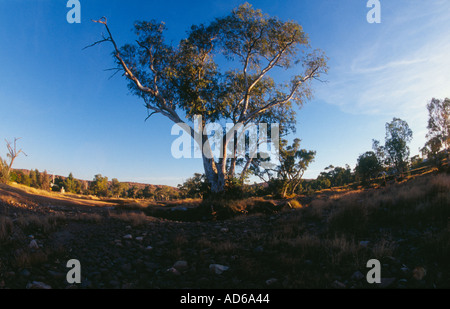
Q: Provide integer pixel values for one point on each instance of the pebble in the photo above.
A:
(217, 268)
(128, 236)
(338, 285)
(271, 281)
(38, 285)
(33, 244)
(173, 271)
(364, 243)
(180, 265)
(357, 275)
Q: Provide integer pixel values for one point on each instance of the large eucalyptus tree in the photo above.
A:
(186, 80)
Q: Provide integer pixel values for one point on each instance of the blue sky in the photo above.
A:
(72, 118)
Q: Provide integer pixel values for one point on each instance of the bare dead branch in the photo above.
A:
(12, 151)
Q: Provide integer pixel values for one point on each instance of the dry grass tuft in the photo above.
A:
(6, 226)
(133, 218)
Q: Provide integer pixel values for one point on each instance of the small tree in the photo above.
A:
(336, 176)
(368, 166)
(195, 187)
(395, 150)
(289, 173)
(99, 186)
(438, 136)
(4, 171)
(115, 187)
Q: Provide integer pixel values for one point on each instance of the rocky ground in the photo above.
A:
(129, 250)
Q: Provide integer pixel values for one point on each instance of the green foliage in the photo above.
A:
(4, 171)
(395, 152)
(185, 79)
(293, 163)
(368, 166)
(99, 186)
(438, 136)
(195, 187)
(72, 184)
(336, 176)
(45, 181)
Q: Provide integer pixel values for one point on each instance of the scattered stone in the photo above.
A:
(217, 268)
(173, 271)
(224, 229)
(33, 244)
(364, 243)
(139, 238)
(338, 285)
(128, 236)
(386, 282)
(271, 281)
(38, 285)
(180, 265)
(149, 248)
(405, 270)
(402, 283)
(357, 275)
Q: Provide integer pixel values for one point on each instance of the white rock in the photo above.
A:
(33, 244)
(173, 271)
(217, 268)
(364, 243)
(128, 236)
(140, 238)
(149, 248)
(357, 275)
(180, 265)
(271, 281)
(38, 285)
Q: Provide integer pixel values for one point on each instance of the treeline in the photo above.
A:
(386, 160)
(100, 186)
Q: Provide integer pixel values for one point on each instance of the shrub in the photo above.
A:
(6, 226)
(4, 171)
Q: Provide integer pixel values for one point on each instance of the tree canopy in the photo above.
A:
(395, 151)
(191, 78)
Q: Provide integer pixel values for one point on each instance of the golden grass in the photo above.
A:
(26, 258)
(133, 218)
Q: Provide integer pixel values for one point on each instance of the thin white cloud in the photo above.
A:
(395, 74)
